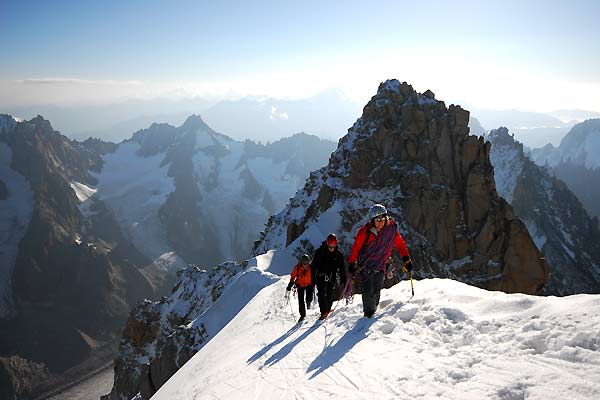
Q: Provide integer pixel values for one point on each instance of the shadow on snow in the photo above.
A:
(333, 353)
(287, 349)
(274, 343)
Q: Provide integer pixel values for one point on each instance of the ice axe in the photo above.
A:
(407, 272)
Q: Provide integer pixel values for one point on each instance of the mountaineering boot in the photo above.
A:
(301, 318)
(369, 314)
(323, 316)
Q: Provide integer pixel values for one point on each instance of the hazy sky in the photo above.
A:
(531, 55)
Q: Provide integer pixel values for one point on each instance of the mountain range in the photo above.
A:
(576, 161)
(559, 224)
(259, 118)
(90, 228)
(407, 151)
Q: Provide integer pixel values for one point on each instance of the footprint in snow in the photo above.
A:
(387, 327)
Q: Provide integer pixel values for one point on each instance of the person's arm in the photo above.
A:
(403, 250)
(401, 245)
(358, 244)
(292, 278)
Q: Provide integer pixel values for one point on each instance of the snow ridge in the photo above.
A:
(451, 340)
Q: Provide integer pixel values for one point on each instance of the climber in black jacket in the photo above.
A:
(328, 273)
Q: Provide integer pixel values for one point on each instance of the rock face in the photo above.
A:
(414, 155)
(160, 337)
(576, 162)
(73, 279)
(19, 377)
(561, 228)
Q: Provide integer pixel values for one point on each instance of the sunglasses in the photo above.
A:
(331, 247)
(380, 218)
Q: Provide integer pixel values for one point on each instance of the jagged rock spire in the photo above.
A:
(413, 154)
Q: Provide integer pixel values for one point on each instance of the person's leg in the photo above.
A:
(378, 281)
(330, 296)
(321, 296)
(368, 291)
(309, 296)
(301, 307)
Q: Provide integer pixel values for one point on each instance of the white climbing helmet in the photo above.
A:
(376, 210)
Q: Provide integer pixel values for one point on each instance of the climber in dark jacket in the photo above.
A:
(328, 272)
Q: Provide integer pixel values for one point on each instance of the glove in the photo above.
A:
(351, 268)
(289, 286)
(407, 263)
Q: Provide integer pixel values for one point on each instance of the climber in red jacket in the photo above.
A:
(372, 247)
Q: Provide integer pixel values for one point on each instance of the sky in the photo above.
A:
(531, 55)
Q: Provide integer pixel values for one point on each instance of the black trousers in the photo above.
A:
(371, 291)
(304, 291)
(325, 294)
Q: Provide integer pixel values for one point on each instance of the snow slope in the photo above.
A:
(235, 216)
(15, 214)
(507, 159)
(134, 188)
(582, 144)
(451, 340)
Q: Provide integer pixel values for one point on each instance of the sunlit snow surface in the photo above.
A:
(134, 188)
(508, 166)
(451, 341)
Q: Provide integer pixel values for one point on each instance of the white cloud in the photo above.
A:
(75, 81)
(277, 115)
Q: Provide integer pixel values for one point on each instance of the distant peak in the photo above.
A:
(41, 122)
(501, 136)
(194, 122)
(500, 132)
(7, 122)
(406, 92)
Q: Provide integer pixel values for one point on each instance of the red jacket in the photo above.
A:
(301, 275)
(360, 239)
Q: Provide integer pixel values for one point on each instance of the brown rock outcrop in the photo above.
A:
(411, 153)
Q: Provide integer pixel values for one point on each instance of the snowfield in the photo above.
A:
(451, 340)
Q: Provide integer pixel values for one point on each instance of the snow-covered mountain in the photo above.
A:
(67, 275)
(451, 340)
(561, 228)
(192, 195)
(576, 161)
(90, 228)
(414, 155)
(16, 207)
(411, 153)
(581, 146)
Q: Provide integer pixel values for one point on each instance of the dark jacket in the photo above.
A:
(326, 264)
